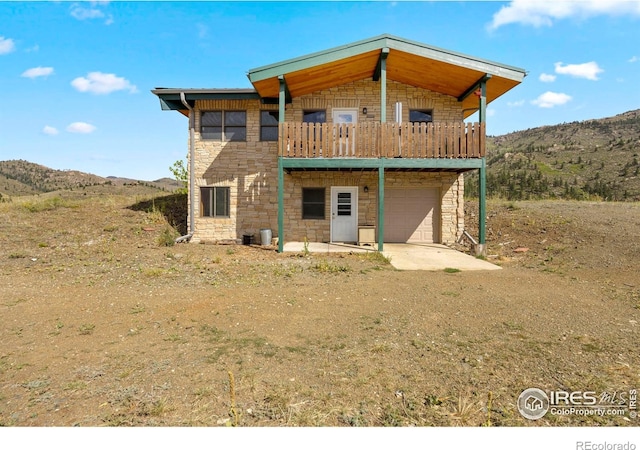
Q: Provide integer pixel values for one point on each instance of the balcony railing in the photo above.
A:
(382, 140)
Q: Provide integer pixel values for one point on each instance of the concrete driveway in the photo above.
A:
(432, 257)
(405, 256)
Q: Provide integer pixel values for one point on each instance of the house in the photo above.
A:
(366, 137)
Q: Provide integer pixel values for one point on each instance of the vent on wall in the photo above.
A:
(398, 112)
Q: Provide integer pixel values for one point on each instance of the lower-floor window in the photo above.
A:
(214, 201)
(313, 203)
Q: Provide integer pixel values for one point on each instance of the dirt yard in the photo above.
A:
(104, 325)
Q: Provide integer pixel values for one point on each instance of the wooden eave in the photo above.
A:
(408, 62)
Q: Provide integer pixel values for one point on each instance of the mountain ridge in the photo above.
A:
(595, 159)
(19, 177)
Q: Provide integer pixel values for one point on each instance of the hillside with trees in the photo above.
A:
(589, 160)
(19, 177)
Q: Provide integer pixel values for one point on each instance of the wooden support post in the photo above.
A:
(280, 206)
(381, 208)
(281, 109)
(383, 84)
(481, 248)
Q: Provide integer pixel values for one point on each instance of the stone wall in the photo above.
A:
(249, 168)
(450, 185)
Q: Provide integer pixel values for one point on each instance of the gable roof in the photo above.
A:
(408, 62)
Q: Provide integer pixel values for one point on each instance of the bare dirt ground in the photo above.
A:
(102, 325)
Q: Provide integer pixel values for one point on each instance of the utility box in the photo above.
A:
(367, 235)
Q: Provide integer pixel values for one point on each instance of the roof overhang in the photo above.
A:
(407, 62)
(170, 99)
(412, 63)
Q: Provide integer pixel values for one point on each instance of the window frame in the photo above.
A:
(213, 202)
(223, 125)
(306, 203)
(313, 111)
(269, 126)
(422, 111)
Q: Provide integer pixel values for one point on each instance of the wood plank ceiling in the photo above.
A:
(443, 74)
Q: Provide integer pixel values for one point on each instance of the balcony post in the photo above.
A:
(383, 84)
(281, 109)
(280, 205)
(381, 206)
(481, 249)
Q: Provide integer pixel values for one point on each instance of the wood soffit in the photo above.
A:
(407, 62)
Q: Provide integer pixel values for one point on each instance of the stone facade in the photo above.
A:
(249, 169)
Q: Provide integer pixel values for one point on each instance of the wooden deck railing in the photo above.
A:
(382, 140)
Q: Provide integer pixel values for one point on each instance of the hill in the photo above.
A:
(18, 178)
(594, 159)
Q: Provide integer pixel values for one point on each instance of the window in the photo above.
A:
(314, 116)
(269, 125)
(421, 115)
(224, 125)
(313, 203)
(214, 201)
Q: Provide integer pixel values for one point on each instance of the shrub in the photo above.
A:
(167, 237)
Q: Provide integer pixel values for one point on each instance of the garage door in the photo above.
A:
(412, 215)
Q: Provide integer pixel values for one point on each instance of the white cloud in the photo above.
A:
(6, 45)
(543, 13)
(102, 83)
(36, 72)
(588, 70)
(81, 128)
(516, 103)
(51, 131)
(81, 12)
(633, 59)
(550, 99)
(547, 78)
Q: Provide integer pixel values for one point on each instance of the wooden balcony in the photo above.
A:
(382, 140)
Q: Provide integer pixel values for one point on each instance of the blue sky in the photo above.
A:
(76, 76)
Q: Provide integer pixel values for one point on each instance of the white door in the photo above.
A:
(344, 144)
(344, 214)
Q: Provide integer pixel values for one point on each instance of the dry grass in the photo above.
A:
(103, 325)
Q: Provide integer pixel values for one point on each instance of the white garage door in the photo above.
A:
(412, 215)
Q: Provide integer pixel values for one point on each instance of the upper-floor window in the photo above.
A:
(269, 125)
(316, 116)
(224, 125)
(421, 115)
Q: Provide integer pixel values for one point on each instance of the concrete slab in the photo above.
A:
(404, 256)
(324, 247)
(432, 257)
